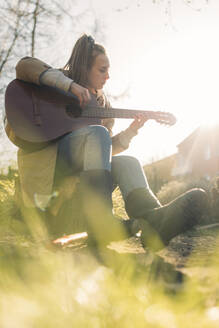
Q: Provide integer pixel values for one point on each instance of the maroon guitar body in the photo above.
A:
(38, 114)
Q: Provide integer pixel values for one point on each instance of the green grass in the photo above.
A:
(42, 287)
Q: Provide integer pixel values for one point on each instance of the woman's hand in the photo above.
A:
(138, 122)
(81, 92)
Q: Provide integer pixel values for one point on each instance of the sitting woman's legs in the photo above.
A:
(87, 152)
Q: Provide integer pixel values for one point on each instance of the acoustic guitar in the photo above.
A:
(41, 114)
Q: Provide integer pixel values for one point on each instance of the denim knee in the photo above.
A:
(98, 149)
(127, 161)
(128, 174)
(101, 133)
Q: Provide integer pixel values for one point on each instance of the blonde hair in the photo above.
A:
(82, 58)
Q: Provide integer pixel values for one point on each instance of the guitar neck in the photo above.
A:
(116, 113)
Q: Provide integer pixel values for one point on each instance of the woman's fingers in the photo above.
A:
(138, 122)
(141, 119)
(81, 92)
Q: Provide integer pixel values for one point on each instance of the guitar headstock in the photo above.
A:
(164, 118)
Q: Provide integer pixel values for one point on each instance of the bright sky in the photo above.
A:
(168, 62)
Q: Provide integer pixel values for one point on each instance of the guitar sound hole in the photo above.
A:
(73, 110)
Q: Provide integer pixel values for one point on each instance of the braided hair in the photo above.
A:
(82, 58)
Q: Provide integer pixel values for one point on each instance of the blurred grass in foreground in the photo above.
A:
(40, 287)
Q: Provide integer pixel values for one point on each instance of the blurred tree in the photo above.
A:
(30, 28)
(160, 172)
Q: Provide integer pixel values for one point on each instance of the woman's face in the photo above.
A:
(99, 72)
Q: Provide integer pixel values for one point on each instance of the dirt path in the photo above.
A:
(197, 247)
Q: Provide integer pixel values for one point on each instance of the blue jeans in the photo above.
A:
(90, 148)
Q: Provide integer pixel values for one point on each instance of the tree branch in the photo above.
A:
(33, 34)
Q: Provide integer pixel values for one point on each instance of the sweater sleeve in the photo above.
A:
(120, 141)
(55, 78)
(34, 70)
(30, 69)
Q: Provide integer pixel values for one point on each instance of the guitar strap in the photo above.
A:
(36, 109)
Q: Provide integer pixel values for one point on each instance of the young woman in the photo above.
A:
(89, 153)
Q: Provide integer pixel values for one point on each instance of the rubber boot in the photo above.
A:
(159, 224)
(139, 201)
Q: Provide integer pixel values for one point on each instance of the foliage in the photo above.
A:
(40, 287)
(171, 190)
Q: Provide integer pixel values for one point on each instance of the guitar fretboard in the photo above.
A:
(113, 112)
(127, 113)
